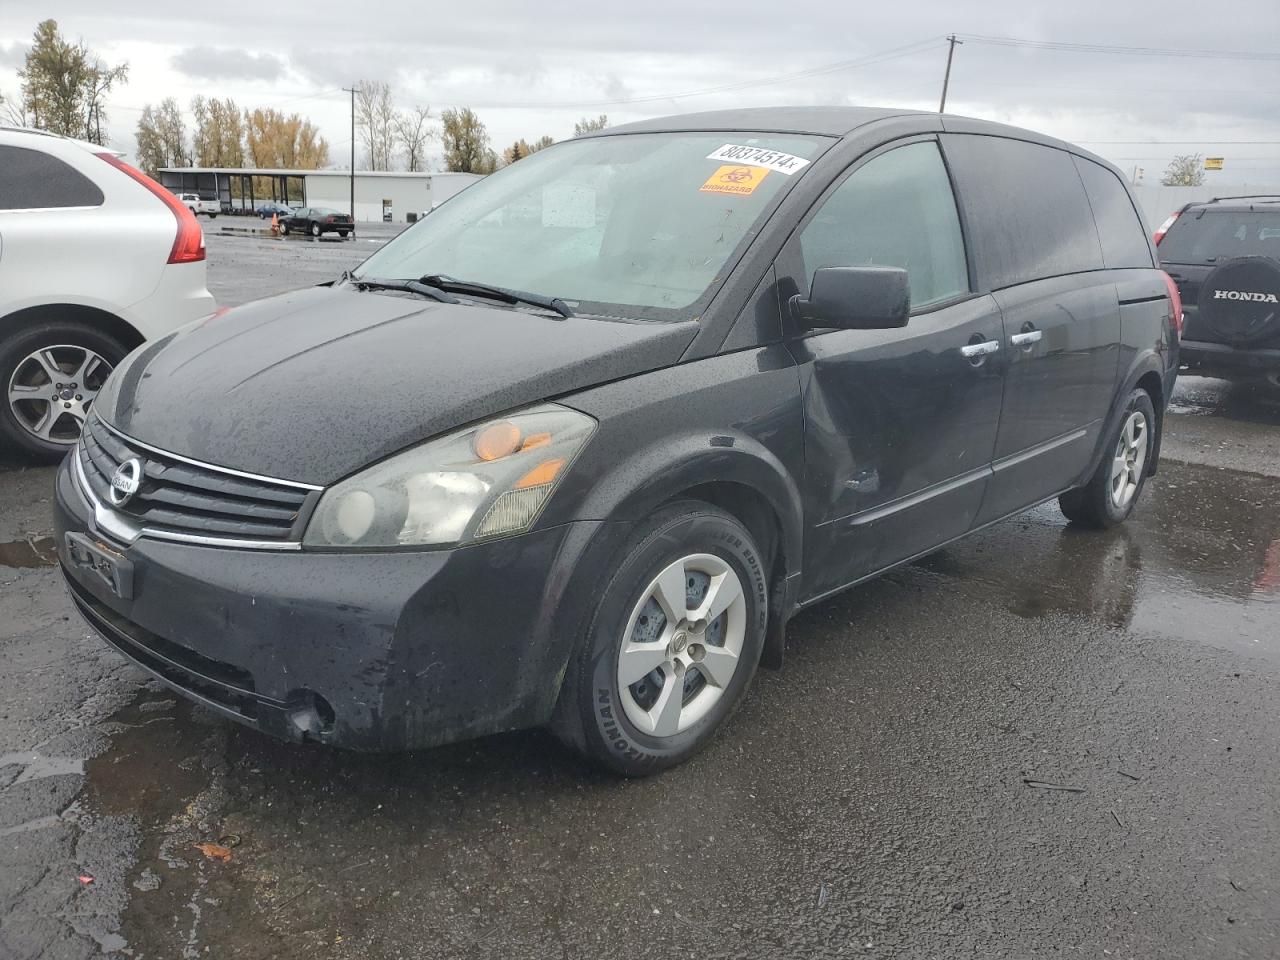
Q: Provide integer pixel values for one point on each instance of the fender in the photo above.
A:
(1144, 362)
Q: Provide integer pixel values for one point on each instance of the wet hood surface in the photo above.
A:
(316, 384)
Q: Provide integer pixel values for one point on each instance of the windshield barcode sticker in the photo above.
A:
(759, 157)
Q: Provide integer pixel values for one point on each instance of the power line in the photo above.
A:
(1216, 143)
(841, 65)
(1123, 51)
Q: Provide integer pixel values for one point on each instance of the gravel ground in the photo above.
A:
(1038, 742)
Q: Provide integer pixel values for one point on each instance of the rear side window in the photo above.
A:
(896, 210)
(1208, 235)
(1027, 211)
(33, 180)
(1124, 238)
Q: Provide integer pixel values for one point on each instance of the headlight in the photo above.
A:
(485, 481)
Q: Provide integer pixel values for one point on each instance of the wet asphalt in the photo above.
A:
(1039, 742)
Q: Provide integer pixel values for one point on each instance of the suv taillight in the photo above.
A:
(1175, 304)
(1164, 227)
(188, 245)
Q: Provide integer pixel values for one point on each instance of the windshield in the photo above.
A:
(638, 225)
(1211, 235)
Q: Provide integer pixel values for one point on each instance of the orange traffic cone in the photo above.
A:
(275, 225)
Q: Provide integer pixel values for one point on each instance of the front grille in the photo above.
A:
(179, 497)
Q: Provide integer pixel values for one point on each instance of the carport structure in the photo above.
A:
(251, 185)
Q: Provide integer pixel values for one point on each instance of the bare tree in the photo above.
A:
(1184, 170)
(413, 129)
(162, 137)
(587, 125)
(376, 118)
(14, 112)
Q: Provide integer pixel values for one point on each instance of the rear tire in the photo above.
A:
(315, 230)
(1111, 494)
(30, 381)
(701, 648)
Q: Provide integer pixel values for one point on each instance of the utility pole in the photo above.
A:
(946, 78)
(352, 91)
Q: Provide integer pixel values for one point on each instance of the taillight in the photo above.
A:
(188, 245)
(328, 219)
(1164, 228)
(1175, 304)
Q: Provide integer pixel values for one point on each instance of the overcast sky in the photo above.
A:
(534, 68)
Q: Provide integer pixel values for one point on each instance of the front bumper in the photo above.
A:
(407, 649)
(1225, 360)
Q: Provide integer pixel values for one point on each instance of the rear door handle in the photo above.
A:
(1026, 338)
(972, 350)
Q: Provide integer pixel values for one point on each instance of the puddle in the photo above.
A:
(36, 552)
(1199, 561)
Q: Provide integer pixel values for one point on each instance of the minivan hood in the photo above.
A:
(313, 385)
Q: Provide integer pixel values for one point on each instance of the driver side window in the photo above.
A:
(896, 210)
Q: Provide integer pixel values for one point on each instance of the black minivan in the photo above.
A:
(574, 448)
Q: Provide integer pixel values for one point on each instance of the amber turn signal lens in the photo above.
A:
(497, 440)
(540, 475)
(535, 440)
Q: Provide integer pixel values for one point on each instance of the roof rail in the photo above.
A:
(1271, 197)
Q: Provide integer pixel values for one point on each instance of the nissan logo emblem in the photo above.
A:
(125, 482)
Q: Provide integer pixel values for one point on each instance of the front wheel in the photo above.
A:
(52, 373)
(673, 645)
(213, 216)
(1112, 493)
(343, 233)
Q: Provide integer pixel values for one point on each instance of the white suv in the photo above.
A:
(197, 206)
(95, 258)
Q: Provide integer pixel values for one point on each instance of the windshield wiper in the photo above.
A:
(453, 285)
(409, 286)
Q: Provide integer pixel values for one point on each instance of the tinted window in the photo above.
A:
(30, 180)
(895, 211)
(1206, 235)
(1124, 238)
(1026, 207)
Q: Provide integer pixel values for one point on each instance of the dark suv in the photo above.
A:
(1224, 255)
(573, 449)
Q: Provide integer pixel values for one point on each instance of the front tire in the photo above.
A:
(673, 645)
(51, 373)
(1111, 494)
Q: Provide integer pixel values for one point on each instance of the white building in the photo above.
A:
(391, 196)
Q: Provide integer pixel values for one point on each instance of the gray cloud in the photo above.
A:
(212, 63)
(12, 55)
(529, 69)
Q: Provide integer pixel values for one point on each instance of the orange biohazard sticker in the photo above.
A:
(741, 181)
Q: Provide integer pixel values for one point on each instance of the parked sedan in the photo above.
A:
(266, 210)
(573, 449)
(317, 221)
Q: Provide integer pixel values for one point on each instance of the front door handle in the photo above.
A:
(974, 350)
(1026, 338)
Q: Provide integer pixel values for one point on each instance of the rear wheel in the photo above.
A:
(315, 230)
(52, 373)
(1112, 493)
(673, 645)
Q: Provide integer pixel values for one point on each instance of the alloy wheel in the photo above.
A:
(682, 644)
(1129, 460)
(53, 388)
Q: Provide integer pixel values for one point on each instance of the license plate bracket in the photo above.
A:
(114, 570)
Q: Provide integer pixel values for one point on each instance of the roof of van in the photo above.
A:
(828, 121)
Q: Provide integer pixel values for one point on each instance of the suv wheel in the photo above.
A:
(1110, 496)
(51, 373)
(673, 645)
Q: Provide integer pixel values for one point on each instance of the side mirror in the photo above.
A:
(855, 298)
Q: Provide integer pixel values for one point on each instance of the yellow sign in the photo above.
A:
(1213, 163)
(741, 181)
